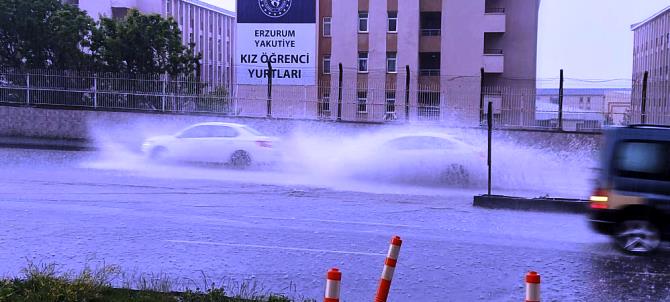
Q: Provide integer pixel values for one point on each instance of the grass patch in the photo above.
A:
(44, 283)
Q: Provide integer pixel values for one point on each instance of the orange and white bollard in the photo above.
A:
(532, 287)
(389, 268)
(334, 277)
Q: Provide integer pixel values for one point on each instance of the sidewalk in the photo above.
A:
(45, 143)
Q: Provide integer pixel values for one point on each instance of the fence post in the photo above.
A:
(481, 96)
(489, 120)
(643, 108)
(164, 98)
(269, 110)
(339, 95)
(560, 103)
(407, 82)
(95, 91)
(27, 88)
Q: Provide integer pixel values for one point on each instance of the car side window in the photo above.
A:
(195, 132)
(223, 131)
(646, 160)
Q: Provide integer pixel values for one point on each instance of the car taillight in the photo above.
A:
(599, 199)
(264, 144)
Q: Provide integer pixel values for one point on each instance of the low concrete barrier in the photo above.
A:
(531, 204)
(46, 143)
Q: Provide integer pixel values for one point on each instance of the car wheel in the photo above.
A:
(456, 174)
(637, 237)
(240, 159)
(158, 153)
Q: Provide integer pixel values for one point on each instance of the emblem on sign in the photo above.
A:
(274, 8)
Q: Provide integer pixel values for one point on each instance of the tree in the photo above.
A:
(142, 44)
(43, 34)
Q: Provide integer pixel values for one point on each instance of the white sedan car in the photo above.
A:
(428, 158)
(234, 144)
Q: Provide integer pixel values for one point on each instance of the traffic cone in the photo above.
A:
(532, 287)
(333, 279)
(389, 268)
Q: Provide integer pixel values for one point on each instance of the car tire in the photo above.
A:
(637, 237)
(240, 159)
(158, 154)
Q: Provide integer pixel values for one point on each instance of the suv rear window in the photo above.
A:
(643, 159)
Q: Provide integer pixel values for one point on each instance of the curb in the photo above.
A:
(562, 205)
(45, 144)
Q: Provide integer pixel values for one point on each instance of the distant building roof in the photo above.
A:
(548, 111)
(580, 91)
(212, 7)
(637, 25)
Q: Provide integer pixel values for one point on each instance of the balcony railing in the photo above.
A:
(429, 72)
(430, 32)
(493, 51)
(494, 10)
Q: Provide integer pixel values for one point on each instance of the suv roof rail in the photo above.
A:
(649, 126)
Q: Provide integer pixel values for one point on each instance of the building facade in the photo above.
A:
(209, 27)
(444, 44)
(651, 55)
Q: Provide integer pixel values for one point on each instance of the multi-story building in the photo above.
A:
(211, 28)
(445, 44)
(651, 55)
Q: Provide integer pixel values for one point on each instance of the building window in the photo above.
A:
(431, 23)
(391, 60)
(429, 63)
(362, 101)
(211, 48)
(363, 22)
(326, 26)
(169, 7)
(119, 13)
(393, 22)
(362, 62)
(390, 101)
(326, 64)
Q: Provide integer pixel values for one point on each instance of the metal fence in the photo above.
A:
(398, 98)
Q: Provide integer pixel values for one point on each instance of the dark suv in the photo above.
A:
(632, 198)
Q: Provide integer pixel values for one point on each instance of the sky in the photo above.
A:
(588, 39)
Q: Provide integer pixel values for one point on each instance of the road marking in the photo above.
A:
(272, 247)
(332, 221)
